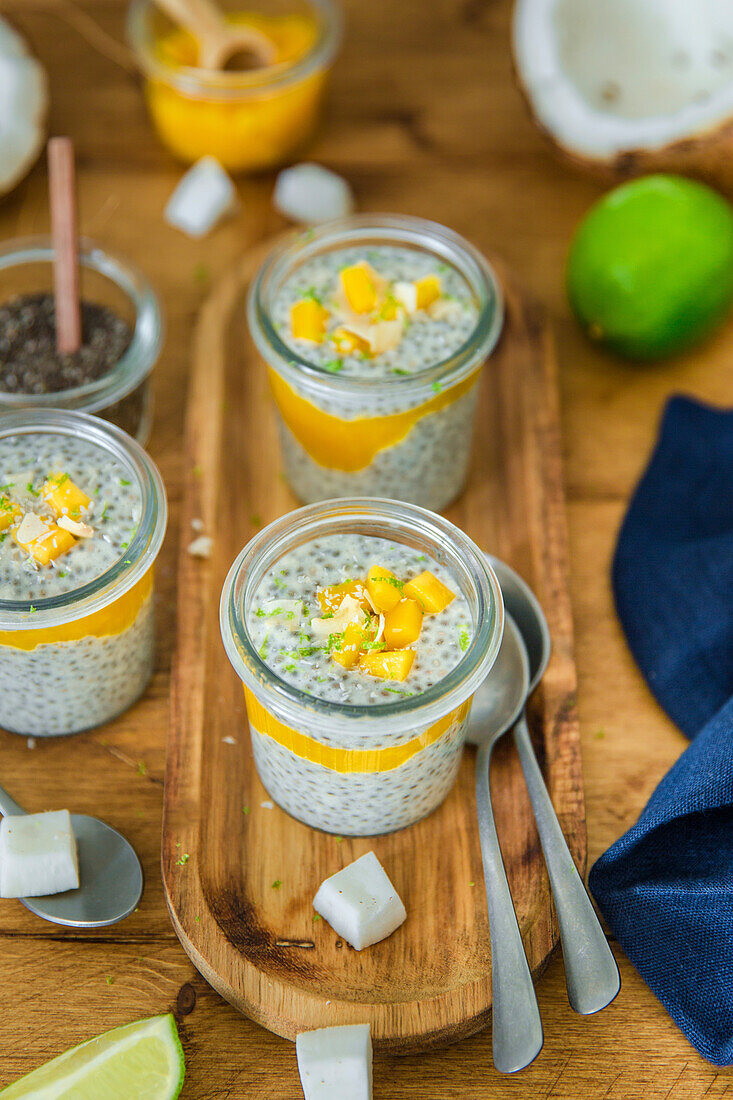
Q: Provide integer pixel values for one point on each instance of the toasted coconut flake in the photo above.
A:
(445, 309)
(406, 295)
(349, 611)
(75, 527)
(31, 527)
(385, 335)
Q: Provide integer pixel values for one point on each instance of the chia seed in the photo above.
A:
(30, 364)
(29, 361)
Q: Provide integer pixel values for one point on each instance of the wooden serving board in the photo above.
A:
(225, 849)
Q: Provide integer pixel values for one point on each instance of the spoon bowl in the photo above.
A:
(110, 876)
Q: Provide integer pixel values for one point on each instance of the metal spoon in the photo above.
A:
(591, 973)
(516, 1025)
(110, 875)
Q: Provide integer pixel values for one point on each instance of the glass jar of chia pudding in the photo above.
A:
(374, 329)
(122, 334)
(360, 630)
(82, 518)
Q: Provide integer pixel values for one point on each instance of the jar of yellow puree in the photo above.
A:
(248, 119)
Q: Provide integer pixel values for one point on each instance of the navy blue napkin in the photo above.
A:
(666, 887)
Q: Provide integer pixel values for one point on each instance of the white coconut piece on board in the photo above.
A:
(201, 547)
(631, 85)
(202, 198)
(335, 1063)
(23, 107)
(311, 194)
(37, 855)
(360, 903)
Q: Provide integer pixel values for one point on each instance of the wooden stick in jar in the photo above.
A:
(62, 187)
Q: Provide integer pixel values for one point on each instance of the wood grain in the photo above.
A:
(424, 118)
(258, 945)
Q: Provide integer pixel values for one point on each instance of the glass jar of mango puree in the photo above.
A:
(76, 605)
(374, 329)
(250, 119)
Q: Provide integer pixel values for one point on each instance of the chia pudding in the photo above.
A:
(121, 335)
(360, 631)
(374, 331)
(82, 516)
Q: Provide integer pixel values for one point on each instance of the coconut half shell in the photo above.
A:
(23, 108)
(623, 87)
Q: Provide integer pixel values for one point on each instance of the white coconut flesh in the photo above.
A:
(606, 77)
(23, 106)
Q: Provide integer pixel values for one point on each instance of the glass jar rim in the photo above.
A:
(297, 247)
(52, 611)
(429, 531)
(139, 358)
(194, 81)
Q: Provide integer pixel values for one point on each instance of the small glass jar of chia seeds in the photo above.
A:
(374, 329)
(335, 747)
(82, 519)
(122, 336)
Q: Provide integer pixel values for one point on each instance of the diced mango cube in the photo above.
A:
(66, 498)
(351, 646)
(402, 625)
(49, 546)
(331, 598)
(9, 512)
(384, 588)
(429, 289)
(432, 595)
(392, 664)
(308, 320)
(390, 310)
(360, 284)
(348, 342)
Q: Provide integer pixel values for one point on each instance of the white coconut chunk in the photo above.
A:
(202, 198)
(201, 547)
(349, 611)
(606, 78)
(289, 611)
(75, 527)
(360, 903)
(335, 1063)
(310, 194)
(31, 527)
(37, 855)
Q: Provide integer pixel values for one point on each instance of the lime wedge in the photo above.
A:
(144, 1059)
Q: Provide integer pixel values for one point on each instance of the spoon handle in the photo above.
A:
(8, 806)
(516, 1024)
(591, 973)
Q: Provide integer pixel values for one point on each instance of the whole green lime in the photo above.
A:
(650, 268)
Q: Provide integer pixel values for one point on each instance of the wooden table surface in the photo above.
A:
(425, 119)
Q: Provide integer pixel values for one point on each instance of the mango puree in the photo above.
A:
(248, 127)
(113, 619)
(352, 444)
